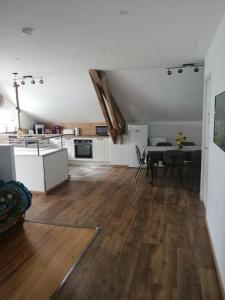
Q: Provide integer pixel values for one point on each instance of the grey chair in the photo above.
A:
(196, 159)
(173, 161)
(141, 161)
(161, 144)
(155, 158)
(188, 144)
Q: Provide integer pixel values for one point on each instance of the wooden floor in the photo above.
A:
(153, 245)
(34, 260)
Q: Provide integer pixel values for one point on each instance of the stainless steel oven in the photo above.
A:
(83, 149)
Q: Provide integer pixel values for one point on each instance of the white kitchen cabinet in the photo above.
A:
(100, 149)
(68, 143)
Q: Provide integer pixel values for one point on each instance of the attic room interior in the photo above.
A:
(112, 149)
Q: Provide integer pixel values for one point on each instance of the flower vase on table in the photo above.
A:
(180, 139)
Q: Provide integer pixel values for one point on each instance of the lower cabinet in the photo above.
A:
(68, 143)
(100, 149)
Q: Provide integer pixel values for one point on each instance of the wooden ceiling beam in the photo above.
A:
(113, 117)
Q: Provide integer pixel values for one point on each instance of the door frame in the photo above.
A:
(206, 138)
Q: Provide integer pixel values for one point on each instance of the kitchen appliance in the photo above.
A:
(137, 135)
(83, 149)
(57, 129)
(77, 131)
(39, 128)
(101, 130)
(68, 131)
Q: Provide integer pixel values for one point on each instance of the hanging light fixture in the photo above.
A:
(25, 77)
(195, 67)
(22, 81)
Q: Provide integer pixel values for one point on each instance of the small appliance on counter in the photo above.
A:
(68, 131)
(57, 129)
(77, 131)
(101, 130)
(39, 128)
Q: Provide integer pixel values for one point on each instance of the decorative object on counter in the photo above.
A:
(16, 86)
(68, 131)
(48, 131)
(57, 129)
(77, 131)
(39, 128)
(180, 139)
(15, 199)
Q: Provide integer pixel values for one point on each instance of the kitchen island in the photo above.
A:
(40, 165)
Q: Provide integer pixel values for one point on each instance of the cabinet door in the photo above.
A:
(100, 149)
(68, 143)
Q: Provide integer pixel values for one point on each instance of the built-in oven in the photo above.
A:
(83, 149)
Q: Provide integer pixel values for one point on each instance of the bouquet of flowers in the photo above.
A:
(180, 139)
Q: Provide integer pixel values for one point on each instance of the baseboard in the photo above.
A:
(215, 261)
(119, 166)
(51, 189)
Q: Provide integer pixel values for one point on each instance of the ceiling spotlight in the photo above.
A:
(22, 82)
(169, 72)
(33, 81)
(196, 69)
(180, 71)
(27, 30)
(123, 12)
(41, 81)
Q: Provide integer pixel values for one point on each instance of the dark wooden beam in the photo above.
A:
(113, 116)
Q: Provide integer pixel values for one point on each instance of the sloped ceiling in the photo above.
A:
(71, 37)
(152, 95)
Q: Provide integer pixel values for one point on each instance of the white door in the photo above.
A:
(206, 139)
(137, 135)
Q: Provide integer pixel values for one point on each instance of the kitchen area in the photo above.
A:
(43, 160)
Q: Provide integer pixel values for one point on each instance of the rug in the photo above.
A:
(35, 260)
(88, 171)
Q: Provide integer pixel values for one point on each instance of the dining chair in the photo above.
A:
(161, 144)
(141, 161)
(188, 144)
(196, 159)
(154, 160)
(173, 161)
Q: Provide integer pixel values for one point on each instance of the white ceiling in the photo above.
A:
(71, 37)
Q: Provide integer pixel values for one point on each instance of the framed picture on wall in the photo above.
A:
(219, 121)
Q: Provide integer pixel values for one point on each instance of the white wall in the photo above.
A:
(118, 153)
(192, 130)
(215, 210)
(8, 118)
